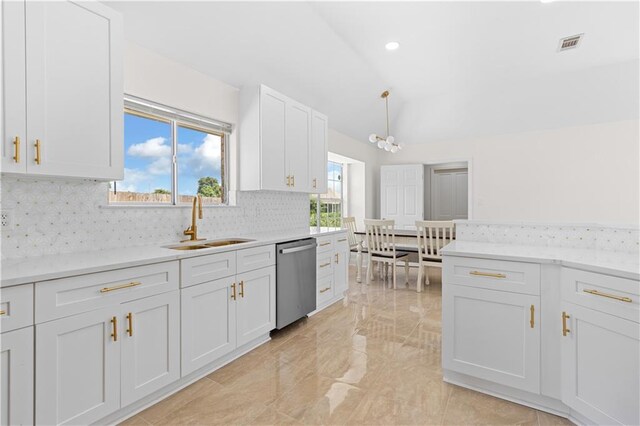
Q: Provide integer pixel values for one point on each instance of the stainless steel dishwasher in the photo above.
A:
(295, 280)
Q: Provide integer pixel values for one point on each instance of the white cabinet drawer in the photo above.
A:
(16, 307)
(255, 258)
(324, 244)
(604, 293)
(201, 269)
(324, 290)
(340, 242)
(83, 293)
(517, 277)
(324, 264)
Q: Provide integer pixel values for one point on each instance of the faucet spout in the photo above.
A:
(192, 231)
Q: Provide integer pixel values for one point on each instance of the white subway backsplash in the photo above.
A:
(582, 236)
(51, 216)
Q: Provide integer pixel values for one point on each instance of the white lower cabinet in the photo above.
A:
(78, 368)
(16, 377)
(601, 366)
(332, 269)
(150, 345)
(492, 335)
(256, 304)
(341, 265)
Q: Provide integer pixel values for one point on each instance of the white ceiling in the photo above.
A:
(463, 69)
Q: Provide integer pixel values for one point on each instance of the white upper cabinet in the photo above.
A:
(64, 79)
(283, 143)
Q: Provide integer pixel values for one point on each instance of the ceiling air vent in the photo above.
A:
(570, 42)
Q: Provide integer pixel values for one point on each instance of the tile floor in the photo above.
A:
(372, 359)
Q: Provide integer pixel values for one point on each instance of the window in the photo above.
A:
(155, 135)
(326, 210)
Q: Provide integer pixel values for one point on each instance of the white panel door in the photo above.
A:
(16, 377)
(74, 89)
(402, 194)
(256, 310)
(298, 138)
(150, 345)
(318, 153)
(14, 107)
(492, 335)
(272, 134)
(208, 322)
(601, 367)
(78, 367)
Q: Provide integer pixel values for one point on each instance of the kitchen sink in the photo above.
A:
(211, 244)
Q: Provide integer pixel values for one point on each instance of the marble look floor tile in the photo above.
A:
(270, 416)
(376, 410)
(135, 421)
(546, 419)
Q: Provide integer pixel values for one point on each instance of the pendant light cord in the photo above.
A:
(386, 103)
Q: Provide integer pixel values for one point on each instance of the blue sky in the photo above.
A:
(148, 156)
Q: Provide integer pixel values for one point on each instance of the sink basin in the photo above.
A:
(211, 244)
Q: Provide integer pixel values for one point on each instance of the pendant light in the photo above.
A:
(387, 143)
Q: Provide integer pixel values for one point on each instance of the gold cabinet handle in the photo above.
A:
(16, 145)
(315, 182)
(337, 257)
(325, 289)
(120, 287)
(114, 328)
(233, 291)
(610, 296)
(565, 330)
(325, 264)
(342, 240)
(288, 180)
(325, 244)
(3, 312)
(130, 324)
(37, 145)
(532, 320)
(242, 289)
(293, 181)
(487, 274)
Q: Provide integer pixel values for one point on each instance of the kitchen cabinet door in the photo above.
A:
(341, 267)
(256, 314)
(318, 153)
(14, 114)
(16, 377)
(273, 108)
(492, 335)
(298, 137)
(78, 367)
(74, 90)
(150, 345)
(600, 367)
(208, 322)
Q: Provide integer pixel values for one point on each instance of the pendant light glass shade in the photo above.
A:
(387, 143)
(373, 138)
(381, 143)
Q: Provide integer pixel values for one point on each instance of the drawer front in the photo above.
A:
(516, 277)
(341, 242)
(255, 258)
(324, 290)
(601, 292)
(324, 264)
(16, 307)
(196, 270)
(324, 244)
(83, 293)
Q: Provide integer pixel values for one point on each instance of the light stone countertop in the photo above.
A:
(33, 269)
(623, 265)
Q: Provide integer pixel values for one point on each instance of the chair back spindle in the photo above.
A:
(432, 236)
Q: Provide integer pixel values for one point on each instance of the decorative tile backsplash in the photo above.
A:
(582, 236)
(47, 216)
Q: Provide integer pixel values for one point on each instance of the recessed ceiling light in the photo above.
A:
(392, 45)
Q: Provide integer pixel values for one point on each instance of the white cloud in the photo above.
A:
(132, 178)
(155, 147)
(205, 158)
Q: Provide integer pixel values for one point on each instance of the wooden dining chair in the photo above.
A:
(381, 246)
(432, 236)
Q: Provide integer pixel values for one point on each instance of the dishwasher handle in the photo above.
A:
(297, 249)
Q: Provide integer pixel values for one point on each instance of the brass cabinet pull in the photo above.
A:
(325, 264)
(120, 287)
(315, 182)
(242, 289)
(325, 244)
(16, 144)
(565, 330)
(37, 145)
(342, 240)
(114, 328)
(233, 291)
(288, 180)
(610, 296)
(337, 257)
(532, 320)
(487, 274)
(3, 312)
(130, 324)
(293, 181)
(325, 289)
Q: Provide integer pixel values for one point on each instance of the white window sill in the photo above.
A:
(164, 206)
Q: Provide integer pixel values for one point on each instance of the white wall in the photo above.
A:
(352, 148)
(575, 174)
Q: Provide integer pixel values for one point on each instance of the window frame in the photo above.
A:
(317, 197)
(179, 118)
